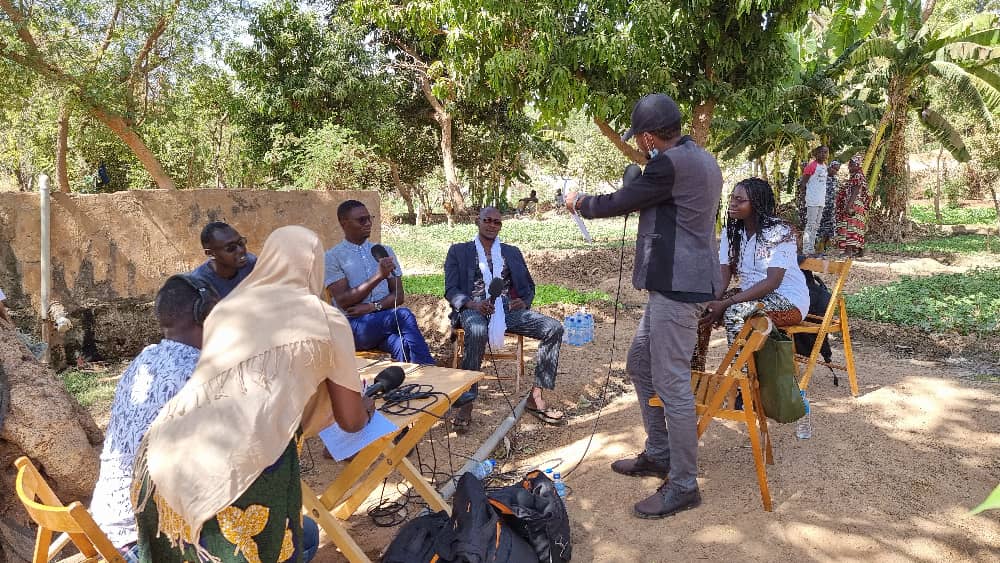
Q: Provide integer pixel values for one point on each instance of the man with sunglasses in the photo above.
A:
(489, 288)
(228, 260)
(370, 290)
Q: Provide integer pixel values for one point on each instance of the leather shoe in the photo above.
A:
(667, 501)
(641, 466)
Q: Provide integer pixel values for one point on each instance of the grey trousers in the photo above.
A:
(659, 363)
(526, 322)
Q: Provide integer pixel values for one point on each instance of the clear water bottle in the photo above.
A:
(803, 428)
(560, 486)
(483, 469)
(571, 329)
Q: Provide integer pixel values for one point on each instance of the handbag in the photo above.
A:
(779, 391)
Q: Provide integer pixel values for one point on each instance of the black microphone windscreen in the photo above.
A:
(379, 252)
(388, 379)
(496, 287)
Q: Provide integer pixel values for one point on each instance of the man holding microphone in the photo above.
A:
(677, 263)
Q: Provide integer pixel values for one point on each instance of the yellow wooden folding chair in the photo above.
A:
(45, 508)
(715, 395)
(834, 321)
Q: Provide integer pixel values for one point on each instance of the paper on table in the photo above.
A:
(343, 445)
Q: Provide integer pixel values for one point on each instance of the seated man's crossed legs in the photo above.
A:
(394, 331)
(546, 330)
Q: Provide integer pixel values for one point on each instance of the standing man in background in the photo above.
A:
(228, 260)
(814, 180)
(677, 263)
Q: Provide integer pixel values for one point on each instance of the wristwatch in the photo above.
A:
(377, 305)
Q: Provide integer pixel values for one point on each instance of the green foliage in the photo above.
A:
(423, 249)
(955, 244)
(86, 387)
(330, 158)
(953, 215)
(966, 303)
(545, 294)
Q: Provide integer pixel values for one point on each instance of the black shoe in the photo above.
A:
(641, 466)
(667, 501)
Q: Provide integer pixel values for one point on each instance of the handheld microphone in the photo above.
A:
(379, 252)
(496, 288)
(388, 379)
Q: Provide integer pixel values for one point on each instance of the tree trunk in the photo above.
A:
(701, 123)
(401, 187)
(996, 204)
(894, 185)
(134, 141)
(937, 190)
(454, 189)
(630, 152)
(62, 146)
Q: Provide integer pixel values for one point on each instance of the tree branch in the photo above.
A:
(154, 35)
(419, 68)
(107, 36)
(632, 153)
(21, 25)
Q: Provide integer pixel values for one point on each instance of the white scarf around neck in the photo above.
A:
(498, 322)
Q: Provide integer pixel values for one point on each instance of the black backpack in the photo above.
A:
(475, 533)
(534, 509)
(819, 300)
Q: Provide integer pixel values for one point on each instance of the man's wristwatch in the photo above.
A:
(377, 306)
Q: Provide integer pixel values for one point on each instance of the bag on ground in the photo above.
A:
(534, 509)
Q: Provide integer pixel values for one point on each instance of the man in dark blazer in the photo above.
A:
(469, 271)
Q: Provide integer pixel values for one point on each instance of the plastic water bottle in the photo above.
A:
(588, 326)
(571, 330)
(483, 469)
(803, 428)
(560, 486)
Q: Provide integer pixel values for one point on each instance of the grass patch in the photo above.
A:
(423, 249)
(545, 294)
(955, 244)
(84, 385)
(953, 215)
(967, 303)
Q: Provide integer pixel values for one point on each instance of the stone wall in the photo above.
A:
(111, 252)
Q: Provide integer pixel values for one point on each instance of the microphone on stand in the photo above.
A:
(388, 379)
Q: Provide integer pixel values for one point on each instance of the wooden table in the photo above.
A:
(350, 489)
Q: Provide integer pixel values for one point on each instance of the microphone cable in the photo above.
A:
(611, 358)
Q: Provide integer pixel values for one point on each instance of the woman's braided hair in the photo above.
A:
(761, 198)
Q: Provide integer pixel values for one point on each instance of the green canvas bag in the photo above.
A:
(779, 391)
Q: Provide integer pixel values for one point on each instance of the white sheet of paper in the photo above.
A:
(343, 445)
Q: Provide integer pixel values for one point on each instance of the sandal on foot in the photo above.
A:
(548, 416)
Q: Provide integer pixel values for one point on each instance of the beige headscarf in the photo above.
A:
(267, 348)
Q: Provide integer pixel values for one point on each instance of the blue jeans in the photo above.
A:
(526, 322)
(310, 539)
(380, 331)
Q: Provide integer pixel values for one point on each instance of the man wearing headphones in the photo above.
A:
(677, 263)
(152, 379)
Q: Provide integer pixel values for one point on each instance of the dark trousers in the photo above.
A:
(526, 322)
(394, 331)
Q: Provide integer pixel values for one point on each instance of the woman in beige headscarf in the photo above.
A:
(217, 475)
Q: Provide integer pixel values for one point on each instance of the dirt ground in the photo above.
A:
(887, 476)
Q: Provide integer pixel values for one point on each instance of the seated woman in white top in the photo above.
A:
(759, 248)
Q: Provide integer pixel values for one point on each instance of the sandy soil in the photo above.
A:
(888, 475)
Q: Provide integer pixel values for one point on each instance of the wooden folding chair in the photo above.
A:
(834, 321)
(45, 508)
(715, 396)
(517, 353)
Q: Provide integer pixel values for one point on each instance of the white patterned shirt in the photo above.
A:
(152, 379)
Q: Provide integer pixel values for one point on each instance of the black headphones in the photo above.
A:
(206, 295)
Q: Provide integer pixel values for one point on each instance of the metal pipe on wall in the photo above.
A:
(46, 261)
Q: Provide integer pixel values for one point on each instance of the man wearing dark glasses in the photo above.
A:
(228, 260)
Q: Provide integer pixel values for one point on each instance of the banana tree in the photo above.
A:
(904, 53)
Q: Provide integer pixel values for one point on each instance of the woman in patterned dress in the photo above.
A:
(852, 204)
(217, 475)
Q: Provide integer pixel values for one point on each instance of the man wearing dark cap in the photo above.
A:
(676, 262)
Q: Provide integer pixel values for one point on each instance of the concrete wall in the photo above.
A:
(111, 252)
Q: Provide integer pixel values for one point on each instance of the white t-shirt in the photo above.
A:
(756, 258)
(816, 186)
